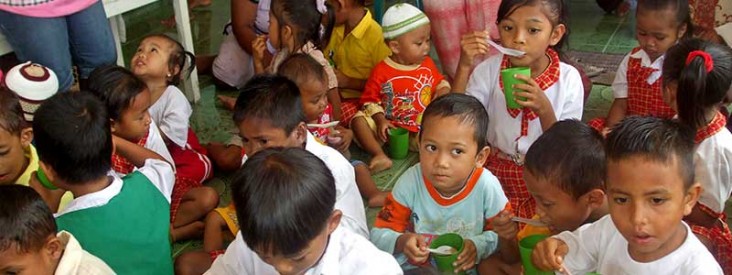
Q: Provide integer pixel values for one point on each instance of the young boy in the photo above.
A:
(650, 186)
(18, 158)
(449, 191)
(564, 172)
(123, 221)
(400, 86)
(300, 234)
(30, 244)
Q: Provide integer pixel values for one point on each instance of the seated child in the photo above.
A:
(449, 191)
(123, 221)
(300, 234)
(30, 243)
(160, 62)
(650, 186)
(564, 172)
(33, 83)
(400, 86)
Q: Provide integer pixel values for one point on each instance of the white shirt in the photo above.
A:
(620, 84)
(156, 144)
(566, 97)
(600, 247)
(75, 260)
(159, 172)
(346, 253)
(713, 169)
(172, 113)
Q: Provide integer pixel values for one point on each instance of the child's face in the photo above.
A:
(12, 154)
(657, 30)
(134, 122)
(528, 29)
(41, 262)
(258, 134)
(647, 201)
(314, 96)
(412, 47)
(556, 208)
(151, 59)
(448, 153)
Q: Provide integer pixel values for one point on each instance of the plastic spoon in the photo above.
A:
(505, 50)
(325, 125)
(529, 221)
(443, 250)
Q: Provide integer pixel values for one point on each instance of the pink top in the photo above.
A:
(45, 8)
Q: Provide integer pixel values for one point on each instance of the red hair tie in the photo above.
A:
(708, 62)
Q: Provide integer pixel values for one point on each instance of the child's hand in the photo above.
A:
(415, 248)
(536, 99)
(504, 226)
(466, 259)
(472, 45)
(382, 129)
(346, 136)
(259, 45)
(549, 254)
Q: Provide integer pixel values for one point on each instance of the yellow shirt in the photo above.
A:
(24, 179)
(358, 52)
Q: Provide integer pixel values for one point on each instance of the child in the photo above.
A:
(356, 46)
(564, 172)
(123, 221)
(449, 191)
(18, 157)
(30, 243)
(552, 93)
(660, 24)
(696, 78)
(159, 62)
(650, 185)
(400, 86)
(33, 83)
(300, 235)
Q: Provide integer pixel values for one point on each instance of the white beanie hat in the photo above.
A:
(33, 83)
(402, 18)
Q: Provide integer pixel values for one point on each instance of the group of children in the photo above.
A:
(641, 191)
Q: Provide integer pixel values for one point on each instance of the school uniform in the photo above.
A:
(75, 260)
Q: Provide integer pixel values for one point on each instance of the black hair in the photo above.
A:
(555, 10)
(11, 114)
(306, 189)
(305, 20)
(655, 139)
(681, 7)
(302, 68)
(177, 58)
(571, 154)
(72, 134)
(698, 91)
(26, 220)
(272, 98)
(466, 108)
(117, 87)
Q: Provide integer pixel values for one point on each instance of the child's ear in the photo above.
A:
(26, 137)
(300, 134)
(692, 195)
(482, 156)
(114, 125)
(334, 220)
(173, 71)
(54, 248)
(557, 34)
(393, 46)
(595, 198)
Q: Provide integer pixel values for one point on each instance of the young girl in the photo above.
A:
(159, 62)
(553, 92)
(696, 77)
(637, 85)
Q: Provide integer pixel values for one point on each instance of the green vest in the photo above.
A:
(130, 233)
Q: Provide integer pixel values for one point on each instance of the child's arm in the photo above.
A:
(549, 254)
(153, 166)
(177, 114)
(347, 82)
(259, 47)
(334, 98)
(472, 45)
(507, 231)
(346, 136)
(620, 92)
(536, 100)
(243, 14)
(617, 112)
(135, 154)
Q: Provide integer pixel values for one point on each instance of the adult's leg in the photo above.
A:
(91, 40)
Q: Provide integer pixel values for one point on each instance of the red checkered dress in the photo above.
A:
(508, 172)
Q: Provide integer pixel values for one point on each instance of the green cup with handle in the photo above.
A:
(526, 247)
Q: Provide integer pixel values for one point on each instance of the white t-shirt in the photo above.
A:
(601, 248)
(346, 253)
(172, 113)
(620, 84)
(713, 169)
(156, 144)
(76, 260)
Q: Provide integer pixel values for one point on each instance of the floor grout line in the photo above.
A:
(620, 24)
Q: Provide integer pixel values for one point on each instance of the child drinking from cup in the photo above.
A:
(552, 92)
(400, 86)
(650, 186)
(449, 191)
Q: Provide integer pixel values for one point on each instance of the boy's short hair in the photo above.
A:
(272, 98)
(116, 86)
(467, 108)
(72, 134)
(25, 219)
(302, 68)
(11, 113)
(307, 190)
(656, 139)
(571, 154)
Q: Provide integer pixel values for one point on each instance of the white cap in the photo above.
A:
(402, 18)
(33, 83)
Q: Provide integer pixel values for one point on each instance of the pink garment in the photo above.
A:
(45, 8)
(451, 19)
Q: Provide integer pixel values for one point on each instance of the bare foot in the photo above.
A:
(379, 163)
(228, 101)
(378, 199)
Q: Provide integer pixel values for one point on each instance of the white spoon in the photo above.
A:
(443, 250)
(529, 221)
(325, 125)
(505, 50)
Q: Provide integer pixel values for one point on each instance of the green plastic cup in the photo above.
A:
(509, 79)
(444, 262)
(398, 143)
(526, 247)
(44, 180)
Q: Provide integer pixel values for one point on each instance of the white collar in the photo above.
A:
(95, 199)
(646, 60)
